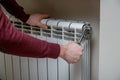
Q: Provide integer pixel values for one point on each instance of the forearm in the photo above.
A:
(12, 7)
(18, 43)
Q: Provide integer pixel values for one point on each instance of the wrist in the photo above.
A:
(63, 49)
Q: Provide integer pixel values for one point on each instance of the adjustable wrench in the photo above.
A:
(85, 34)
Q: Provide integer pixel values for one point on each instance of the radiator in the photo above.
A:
(59, 31)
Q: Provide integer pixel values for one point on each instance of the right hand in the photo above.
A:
(71, 52)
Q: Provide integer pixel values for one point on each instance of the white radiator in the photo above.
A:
(61, 32)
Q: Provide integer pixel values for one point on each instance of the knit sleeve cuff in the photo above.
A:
(24, 17)
(54, 50)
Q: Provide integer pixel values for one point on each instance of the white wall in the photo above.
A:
(109, 58)
(86, 10)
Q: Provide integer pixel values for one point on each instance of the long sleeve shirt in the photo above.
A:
(21, 44)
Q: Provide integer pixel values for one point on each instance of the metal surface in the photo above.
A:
(86, 32)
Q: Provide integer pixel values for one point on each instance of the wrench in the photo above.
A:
(85, 32)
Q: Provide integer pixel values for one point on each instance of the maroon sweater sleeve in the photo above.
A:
(12, 7)
(21, 44)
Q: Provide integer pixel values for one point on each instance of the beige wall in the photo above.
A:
(86, 10)
(109, 65)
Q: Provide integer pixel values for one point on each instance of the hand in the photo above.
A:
(35, 19)
(71, 52)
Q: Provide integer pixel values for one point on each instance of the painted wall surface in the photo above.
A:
(85, 10)
(109, 59)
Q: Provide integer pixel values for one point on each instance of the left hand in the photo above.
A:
(35, 19)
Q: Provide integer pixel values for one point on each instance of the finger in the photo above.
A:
(68, 61)
(43, 26)
(75, 61)
(45, 16)
(72, 61)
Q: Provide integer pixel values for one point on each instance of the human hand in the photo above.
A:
(71, 52)
(35, 19)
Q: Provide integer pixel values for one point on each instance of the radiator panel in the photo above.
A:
(23, 68)
(2, 66)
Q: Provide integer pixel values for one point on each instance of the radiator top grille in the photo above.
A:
(60, 29)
